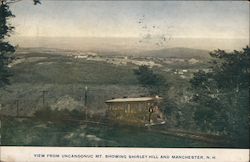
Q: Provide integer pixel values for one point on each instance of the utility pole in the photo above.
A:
(85, 101)
(85, 95)
(43, 95)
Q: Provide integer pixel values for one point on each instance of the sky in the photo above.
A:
(193, 19)
(152, 24)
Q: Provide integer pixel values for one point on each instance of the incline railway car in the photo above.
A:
(140, 111)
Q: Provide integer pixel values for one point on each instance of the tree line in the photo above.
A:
(220, 97)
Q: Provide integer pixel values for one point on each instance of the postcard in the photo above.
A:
(141, 81)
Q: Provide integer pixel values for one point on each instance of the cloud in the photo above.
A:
(120, 19)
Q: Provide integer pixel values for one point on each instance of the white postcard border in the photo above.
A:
(111, 154)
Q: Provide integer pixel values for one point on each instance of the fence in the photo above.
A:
(69, 97)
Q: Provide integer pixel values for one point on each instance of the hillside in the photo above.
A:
(64, 78)
(178, 53)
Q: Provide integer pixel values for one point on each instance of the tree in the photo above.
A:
(6, 49)
(153, 82)
(221, 96)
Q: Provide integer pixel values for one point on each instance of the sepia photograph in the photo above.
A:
(129, 75)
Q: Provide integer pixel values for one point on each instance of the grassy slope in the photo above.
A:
(66, 77)
(66, 70)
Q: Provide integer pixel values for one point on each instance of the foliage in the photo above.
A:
(153, 82)
(222, 95)
(6, 49)
(59, 116)
(30, 132)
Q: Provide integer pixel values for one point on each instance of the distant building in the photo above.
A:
(139, 111)
(193, 61)
(81, 56)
